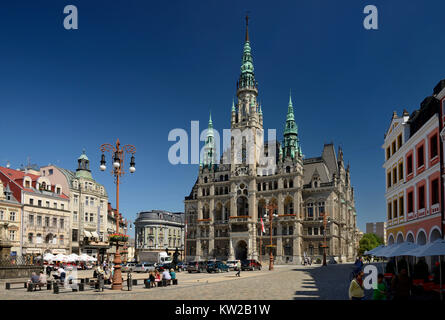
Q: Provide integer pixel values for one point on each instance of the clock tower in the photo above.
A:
(247, 119)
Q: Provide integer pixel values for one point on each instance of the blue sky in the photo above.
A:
(134, 70)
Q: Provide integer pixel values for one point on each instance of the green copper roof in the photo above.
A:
(83, 156)
(247, 78)
(291, 143)
(84, 174)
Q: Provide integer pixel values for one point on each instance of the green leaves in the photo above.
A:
(369, 241)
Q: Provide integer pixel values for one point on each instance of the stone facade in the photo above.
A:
(87, 206)
(157, 230)
(10, 223)
(227, 205)
(45, 217)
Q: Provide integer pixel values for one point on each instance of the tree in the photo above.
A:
(368, 242)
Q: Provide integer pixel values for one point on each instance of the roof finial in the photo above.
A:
(247, 27)
(290, 96)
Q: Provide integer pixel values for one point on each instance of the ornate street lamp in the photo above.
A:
(118, 153)
(271, 207)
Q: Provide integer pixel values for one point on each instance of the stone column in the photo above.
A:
(231, 251)
(279, 248)
(280, 204)
(199, 210)
(198, 249)
(296, 245)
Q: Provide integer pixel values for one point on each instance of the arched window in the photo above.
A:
(291, 183)
(275, 185)
(242, 206)
(287, 169)
(205, 180)
(221, 178)
(288, 206)
(285, 183)
(259, 186)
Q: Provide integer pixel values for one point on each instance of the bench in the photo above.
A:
(58, 285)
(8, 284)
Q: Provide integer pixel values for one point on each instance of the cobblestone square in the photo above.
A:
(285, 282)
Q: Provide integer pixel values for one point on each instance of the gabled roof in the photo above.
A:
(17, 177)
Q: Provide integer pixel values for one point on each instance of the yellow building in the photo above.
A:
(10, 220)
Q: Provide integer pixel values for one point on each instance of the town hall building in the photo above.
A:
(228, 204)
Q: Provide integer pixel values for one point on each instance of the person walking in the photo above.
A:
(356, 290)
(238, 268)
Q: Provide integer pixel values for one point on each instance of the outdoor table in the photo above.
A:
(418, 282)
(428, 286)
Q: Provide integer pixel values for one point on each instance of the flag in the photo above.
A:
(262, 227)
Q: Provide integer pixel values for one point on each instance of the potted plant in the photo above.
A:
(118, 237)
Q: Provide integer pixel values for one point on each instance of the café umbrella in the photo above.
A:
(436, 248)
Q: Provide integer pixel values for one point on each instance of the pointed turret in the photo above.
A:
(247, 77)
(209, 148)
(291, 145)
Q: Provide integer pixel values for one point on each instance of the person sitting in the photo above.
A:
(34, 279)
(401, 285)
(157, 276)
(152, 278)
(43, 279)
(166, 276)
(421, 270)
(61, 273)
(172, 274)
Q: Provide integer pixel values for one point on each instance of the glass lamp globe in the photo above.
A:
(132, 169)
(103, 167)
(116, 164)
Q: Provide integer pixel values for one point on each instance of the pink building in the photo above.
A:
(414, 159)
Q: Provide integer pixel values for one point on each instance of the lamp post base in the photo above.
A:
(271, 262)
(117, 277)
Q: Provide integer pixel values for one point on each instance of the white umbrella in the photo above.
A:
(83, 257)
(401, 249)
(376, 249)
(48, 257)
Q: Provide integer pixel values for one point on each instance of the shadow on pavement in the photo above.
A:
(331, 281)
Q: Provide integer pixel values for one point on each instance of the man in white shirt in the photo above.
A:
(166, 276)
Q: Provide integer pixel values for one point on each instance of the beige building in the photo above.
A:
(377, 228)
(228, 200)
(10, 223)
(87, 206)
(46, 216)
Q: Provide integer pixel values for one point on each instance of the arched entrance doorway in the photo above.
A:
(241, 250)
(421, 238)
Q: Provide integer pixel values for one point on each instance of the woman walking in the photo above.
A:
(356, 291)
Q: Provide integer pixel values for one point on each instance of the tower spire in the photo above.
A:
(247, 28)
(291, 144)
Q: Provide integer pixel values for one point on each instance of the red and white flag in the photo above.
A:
(263, 230)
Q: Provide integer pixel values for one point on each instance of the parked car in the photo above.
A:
(181, 266)
(144, 267)
(250, 264)
(217, 266)
(232, 264)
(129, 267)
(196, 266)
(161, 266)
